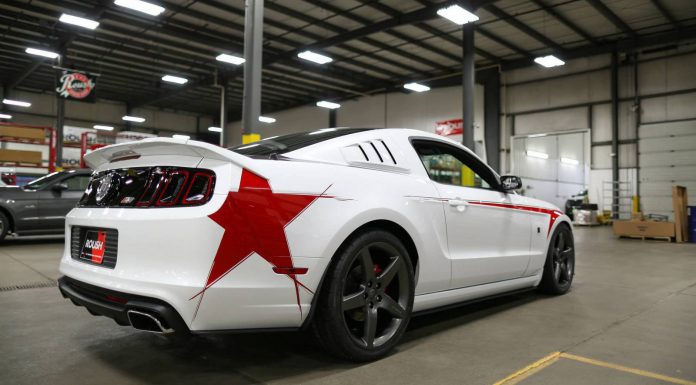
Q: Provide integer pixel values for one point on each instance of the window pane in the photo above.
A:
(447, 168)
(77, 183)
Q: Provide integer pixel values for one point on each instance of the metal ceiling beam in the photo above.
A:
(503, 42)
(611, 16)
(565, 21)
(666, 13)
(342, 31)
(499, 13)
(429, 29)
(63, 43)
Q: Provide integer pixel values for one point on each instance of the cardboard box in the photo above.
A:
(20, 156)
(21, 132)
(644, 229)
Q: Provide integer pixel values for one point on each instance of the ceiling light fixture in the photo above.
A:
(236, 60)
(41, 52)
(79, 21)
(314, 57)
(141, 6)
(5, 116)
(570, 161)
(174, 79)
(328, 105)
(457, 15)
(136, 119)
(103, 127)
(537, 154)
(416, 87)
(549, 61)
(215, 129)
(18, 103)
(266, 119)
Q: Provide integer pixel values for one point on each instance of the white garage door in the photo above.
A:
(667, 158)
(553, 166)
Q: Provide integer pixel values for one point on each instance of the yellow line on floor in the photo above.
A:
(528, 370)
(638, 372)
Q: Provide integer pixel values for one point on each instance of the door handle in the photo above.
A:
(459, 204)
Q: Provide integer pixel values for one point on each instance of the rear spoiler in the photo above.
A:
(164, 146)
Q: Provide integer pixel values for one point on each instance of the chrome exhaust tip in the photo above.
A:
(147, 322)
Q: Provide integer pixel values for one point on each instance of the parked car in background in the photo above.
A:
(39, 207)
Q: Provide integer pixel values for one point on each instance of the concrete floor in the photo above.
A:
(633, 304)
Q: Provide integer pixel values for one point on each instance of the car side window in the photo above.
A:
(77, 182)
(449, 165)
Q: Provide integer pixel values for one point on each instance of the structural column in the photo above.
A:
(332, 118)
(60, 120)
(223, 112)
(491, 118)
(615, 186)
(253, 39)
(468, 78)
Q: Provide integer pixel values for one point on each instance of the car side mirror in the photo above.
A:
(510, 182)
(58, 187)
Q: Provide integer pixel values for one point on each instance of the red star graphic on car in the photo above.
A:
(254, 220)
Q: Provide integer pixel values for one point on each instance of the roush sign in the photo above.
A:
(74, 85)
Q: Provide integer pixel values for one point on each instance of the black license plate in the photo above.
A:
(95, 246)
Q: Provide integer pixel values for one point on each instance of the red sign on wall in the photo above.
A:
(449, 127)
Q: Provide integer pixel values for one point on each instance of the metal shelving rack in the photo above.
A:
(625, 192)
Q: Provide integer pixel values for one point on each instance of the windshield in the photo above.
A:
(276, 145)
(43, 181)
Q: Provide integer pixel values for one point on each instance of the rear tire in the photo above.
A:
(366, 300)
(559, 268)
(4, 226)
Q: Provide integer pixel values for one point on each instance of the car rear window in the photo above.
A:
(277, 145)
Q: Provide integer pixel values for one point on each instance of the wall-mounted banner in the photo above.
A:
(76, 86)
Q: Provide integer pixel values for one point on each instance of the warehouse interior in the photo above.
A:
(590, 102)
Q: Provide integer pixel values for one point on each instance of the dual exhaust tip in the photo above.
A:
(147, 322)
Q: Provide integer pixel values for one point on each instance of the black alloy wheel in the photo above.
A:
(559, 269)
(365, 307)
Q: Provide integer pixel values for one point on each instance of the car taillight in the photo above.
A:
(150, 187)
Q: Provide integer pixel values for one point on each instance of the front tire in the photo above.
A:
(366, 300)
(559, 268)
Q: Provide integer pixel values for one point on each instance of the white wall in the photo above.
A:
(582, 100)
(403, 110)
(43, 112)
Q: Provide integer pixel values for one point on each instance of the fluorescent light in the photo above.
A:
(236, 60)
(141, 6)
(41, 52)
(537, 154)
(457, 15)
(5, 116)
(79, 21)
(549, 61)
(174, 79)
(314, 57)
(571, 161)
(103, 127)
(266, 119)
(215, 129)
(133, 119)
(18, 103)
(326, 104)
(178, 136)
(416, 87)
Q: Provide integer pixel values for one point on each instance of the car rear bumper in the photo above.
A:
(116, 305)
